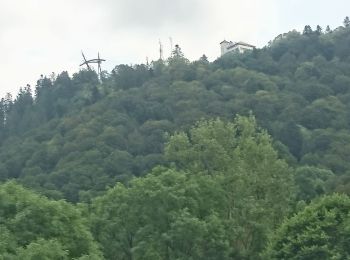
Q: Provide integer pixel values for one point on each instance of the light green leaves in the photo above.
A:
(320, 231)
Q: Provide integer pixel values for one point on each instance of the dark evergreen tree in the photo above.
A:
(346, 22)
(307, 30)
(319, 30)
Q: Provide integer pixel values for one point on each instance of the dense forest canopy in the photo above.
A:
(233, 159)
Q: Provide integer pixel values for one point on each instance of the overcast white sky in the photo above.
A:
(44, 36)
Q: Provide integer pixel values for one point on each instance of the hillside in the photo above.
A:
(246, 157)
(74, 136)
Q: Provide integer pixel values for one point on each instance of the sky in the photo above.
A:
(44, 36)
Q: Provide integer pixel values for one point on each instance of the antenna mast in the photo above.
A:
(171, 46)
(160, 50)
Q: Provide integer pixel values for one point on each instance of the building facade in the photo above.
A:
(240, 47)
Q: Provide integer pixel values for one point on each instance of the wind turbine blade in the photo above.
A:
(82, 53)
(85, 61)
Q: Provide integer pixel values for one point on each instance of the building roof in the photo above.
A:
(224, 41)
(240, 44)
(245, 44)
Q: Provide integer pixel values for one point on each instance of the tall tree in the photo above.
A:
(258, 190)
(307, 30)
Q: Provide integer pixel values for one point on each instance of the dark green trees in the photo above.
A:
(307, 30)
(221, 189)
(77, 135)
(312, 182)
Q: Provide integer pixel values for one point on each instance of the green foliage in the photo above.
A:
(221, 188)
(229, 181)
(150, 219)
(320, 231)
(258, 185)
(312, 182)
(43, 250)
(78, 135)
(33, 227)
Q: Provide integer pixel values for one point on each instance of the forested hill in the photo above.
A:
(246, 157)
(71, 137)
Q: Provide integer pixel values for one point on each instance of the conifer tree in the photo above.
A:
(307, 30)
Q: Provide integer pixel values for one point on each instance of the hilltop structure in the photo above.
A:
(229, 46)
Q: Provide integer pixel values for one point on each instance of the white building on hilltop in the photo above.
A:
(235, 46)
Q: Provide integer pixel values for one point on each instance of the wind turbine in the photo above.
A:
(98, 61)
